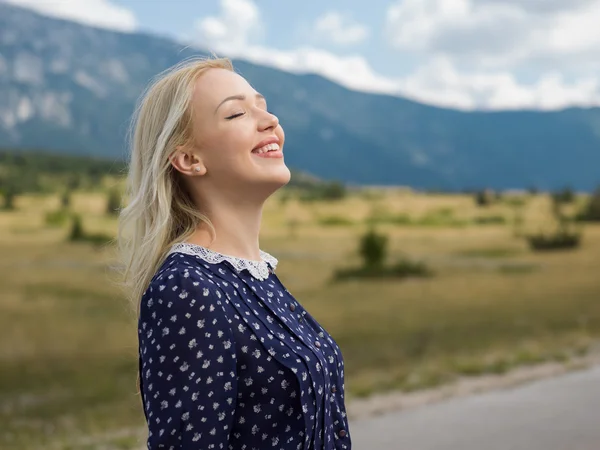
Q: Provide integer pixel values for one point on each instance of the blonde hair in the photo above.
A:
(160, 211)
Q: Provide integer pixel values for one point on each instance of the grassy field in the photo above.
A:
(68, 343)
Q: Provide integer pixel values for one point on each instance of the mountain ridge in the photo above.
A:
(72, 87)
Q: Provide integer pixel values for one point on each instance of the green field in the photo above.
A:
(68, 342)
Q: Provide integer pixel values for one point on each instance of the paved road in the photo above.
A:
(553, 414)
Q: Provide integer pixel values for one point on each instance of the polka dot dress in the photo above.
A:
(230, 360)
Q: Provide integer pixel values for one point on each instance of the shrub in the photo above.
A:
(489, 220)
(10, 190)
(335, 221)
(334, 190)
(405, 268)
(565, 195)
(562, 239)
(373, 249)
(56, 218)
(9, 200)
(591, 212)
(113, 203)
(77, 232)
(65, 199)
(484, 197)
(74, 182)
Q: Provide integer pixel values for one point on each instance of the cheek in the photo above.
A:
(228, 145)
(280, 134)
(239, 144)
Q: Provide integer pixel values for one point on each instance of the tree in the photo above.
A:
(113, 203)
(65, 199)
(565, 195)
(9, 198)
(77, 232)
(592, 211)
(10, 192)
(334, 191)
(74, 182)
(484, 197)
(563, 238)
(373, 249)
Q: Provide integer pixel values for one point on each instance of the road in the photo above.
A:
(560, 413)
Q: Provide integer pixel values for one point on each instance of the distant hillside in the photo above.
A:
(70, 87)
(34, 170)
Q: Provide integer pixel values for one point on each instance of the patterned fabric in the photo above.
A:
(230, 361)
(258, 269)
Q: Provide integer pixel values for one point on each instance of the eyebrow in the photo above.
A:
(238, 97)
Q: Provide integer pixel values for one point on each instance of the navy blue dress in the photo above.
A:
(229, 359)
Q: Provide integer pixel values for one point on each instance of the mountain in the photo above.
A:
(71, 87)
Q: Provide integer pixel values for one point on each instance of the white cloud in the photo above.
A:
(98, 13)
(470, 48)
(493, 40)
(542, 6)
(439, 82)
(455, 27)
(352, 71)
(494, 33)
(230, 32)
(235, 30)
(338, 29)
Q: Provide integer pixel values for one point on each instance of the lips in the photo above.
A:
(270, 140)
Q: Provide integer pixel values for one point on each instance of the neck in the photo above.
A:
(237, 227)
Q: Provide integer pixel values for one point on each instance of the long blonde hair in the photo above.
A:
(159, 210)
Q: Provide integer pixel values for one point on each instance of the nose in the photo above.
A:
(269, 121)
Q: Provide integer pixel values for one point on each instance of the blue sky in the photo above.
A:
(465, 54)
(287, 25)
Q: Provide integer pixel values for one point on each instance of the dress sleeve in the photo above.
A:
(188, 363)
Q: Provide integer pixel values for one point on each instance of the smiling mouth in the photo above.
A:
(273, 147)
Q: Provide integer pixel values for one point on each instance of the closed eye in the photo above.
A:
(241, 114)
(234, 116)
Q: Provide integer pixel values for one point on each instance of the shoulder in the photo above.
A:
(179, 283)
(182, 269)
(180, 263)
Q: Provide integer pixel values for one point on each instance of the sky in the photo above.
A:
(463, 54)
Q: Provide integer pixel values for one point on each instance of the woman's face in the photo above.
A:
(230, 121)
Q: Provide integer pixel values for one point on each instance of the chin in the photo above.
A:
(283, 176)
(277, 179)
(270, 179)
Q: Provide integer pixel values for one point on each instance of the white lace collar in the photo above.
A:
(258, 269)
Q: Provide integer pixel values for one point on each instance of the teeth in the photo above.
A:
(267, 148)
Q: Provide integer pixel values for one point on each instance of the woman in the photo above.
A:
(228, 358)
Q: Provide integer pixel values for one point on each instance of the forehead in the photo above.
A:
(216, 84)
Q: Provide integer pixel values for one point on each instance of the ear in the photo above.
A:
(186, 161)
